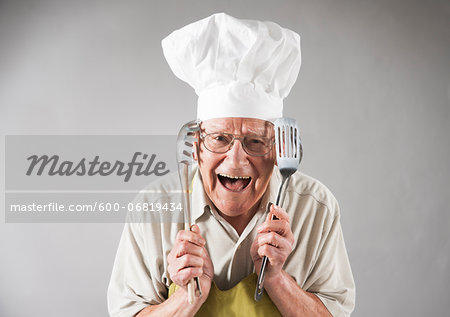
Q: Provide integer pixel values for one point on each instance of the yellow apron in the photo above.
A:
(237, 301)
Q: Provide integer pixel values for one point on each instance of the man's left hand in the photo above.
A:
(274, 240)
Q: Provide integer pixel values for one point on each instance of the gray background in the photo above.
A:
(372, 100)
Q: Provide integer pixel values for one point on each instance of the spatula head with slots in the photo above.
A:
(289, 150)
(185, 142)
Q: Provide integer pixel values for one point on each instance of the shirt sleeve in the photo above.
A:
(132, 286)
(331, 279)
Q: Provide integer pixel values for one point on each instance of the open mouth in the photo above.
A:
(234, 183)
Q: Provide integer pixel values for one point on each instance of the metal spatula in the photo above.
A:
(289, 153)
(185, 160)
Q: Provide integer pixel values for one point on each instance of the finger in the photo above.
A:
(180, 264)
(191, 236)
(195, 229)
(185, 247)
(275, 240)
(280, 226)
(183, 276)
(275, 255)
(269, 215)
(278, 212)
(188, 260)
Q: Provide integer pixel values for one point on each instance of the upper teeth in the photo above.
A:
(234, 177)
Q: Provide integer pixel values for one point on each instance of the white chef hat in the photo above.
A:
(238, 68)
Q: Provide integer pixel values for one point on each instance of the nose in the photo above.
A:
(236, 153)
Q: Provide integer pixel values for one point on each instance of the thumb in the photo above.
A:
(195, 228)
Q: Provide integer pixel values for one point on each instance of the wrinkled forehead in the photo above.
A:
(238, 126)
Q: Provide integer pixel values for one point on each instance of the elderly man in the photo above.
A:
(241, 70)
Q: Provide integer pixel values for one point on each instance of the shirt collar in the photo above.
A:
(200, 201)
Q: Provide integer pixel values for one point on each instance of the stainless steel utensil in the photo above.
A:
(289, 153)
(185, 142)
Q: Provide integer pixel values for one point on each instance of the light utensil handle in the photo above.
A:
(193, 281)
(191, 291)
(191, 285)
(187, 226)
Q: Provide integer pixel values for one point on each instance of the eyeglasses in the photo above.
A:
(222, 142)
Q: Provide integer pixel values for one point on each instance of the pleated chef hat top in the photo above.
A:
(238, 68)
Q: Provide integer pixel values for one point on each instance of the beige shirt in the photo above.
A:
(318, 261)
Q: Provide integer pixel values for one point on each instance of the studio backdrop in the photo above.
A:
(372, 102)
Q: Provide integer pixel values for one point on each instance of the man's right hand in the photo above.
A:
(188, 259)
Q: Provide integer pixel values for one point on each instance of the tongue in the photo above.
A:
(234, 184)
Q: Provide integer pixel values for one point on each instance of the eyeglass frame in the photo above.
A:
(241, 139)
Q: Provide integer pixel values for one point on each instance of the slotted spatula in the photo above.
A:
(185, 160)
(289, 153)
